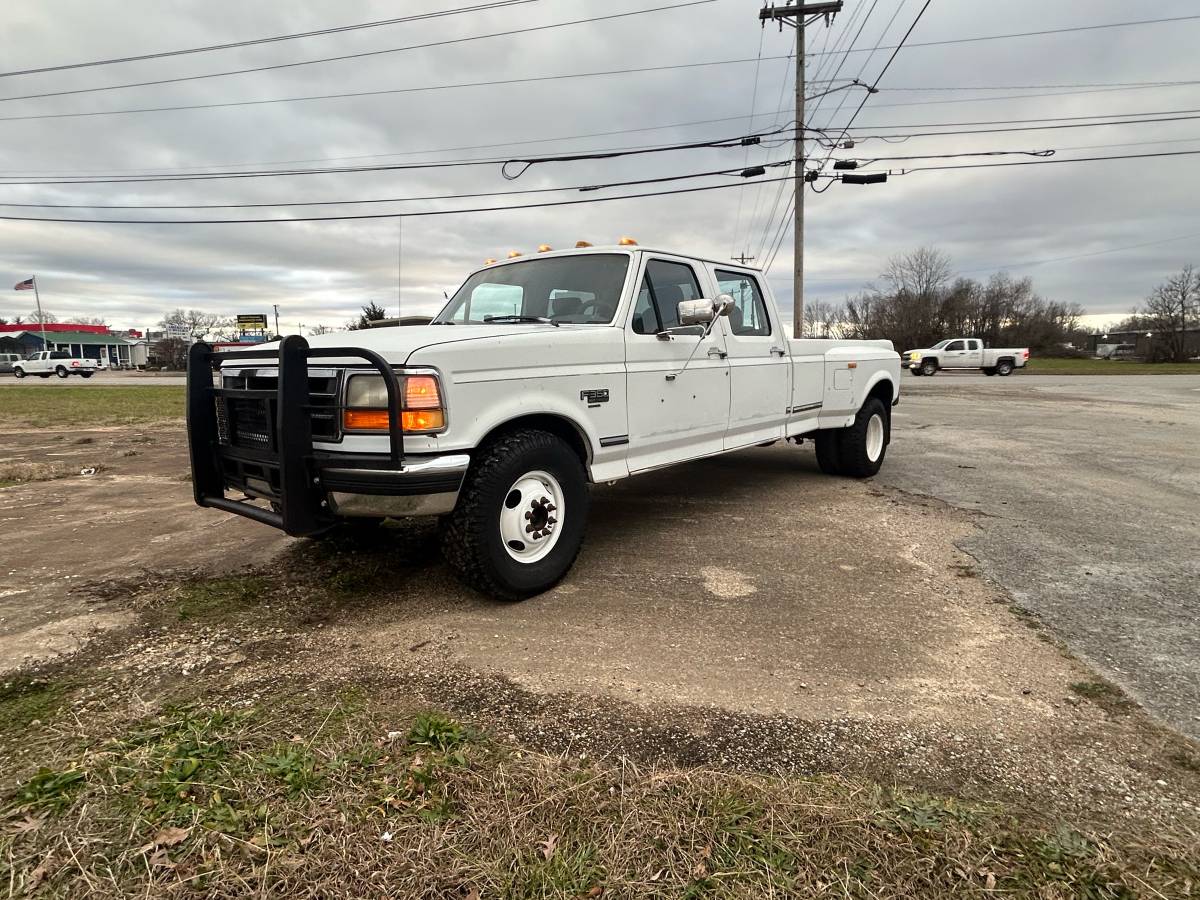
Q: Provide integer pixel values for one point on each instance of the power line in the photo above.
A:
(361, 55)
(270, 40)
(1049, 162)
(1022, 34)
(392, 215)
(739, 172)
(1044, 87)
(439, 150)
(1109, 90)
(724, 143)
(737, 226)
(344, 95)
(1063, 122)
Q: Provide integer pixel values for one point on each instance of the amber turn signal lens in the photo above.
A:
(581, 244)
(544, 248)
(365, 419)
(377, 420)
(626, 242)
(423, 419)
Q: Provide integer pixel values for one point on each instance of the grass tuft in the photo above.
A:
(1106, 695)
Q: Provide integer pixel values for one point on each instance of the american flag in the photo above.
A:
(26, 285)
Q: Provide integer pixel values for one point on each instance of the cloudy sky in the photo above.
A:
(1025, 219)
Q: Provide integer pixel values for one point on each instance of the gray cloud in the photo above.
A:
(321, 272)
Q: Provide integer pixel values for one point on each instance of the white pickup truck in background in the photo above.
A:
(964, 353)
(543, 374)
(56, 362)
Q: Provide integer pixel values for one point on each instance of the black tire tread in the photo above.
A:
(852, 442)
(464, 544)
(827, 441)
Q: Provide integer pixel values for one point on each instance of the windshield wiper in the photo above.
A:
(542, 320)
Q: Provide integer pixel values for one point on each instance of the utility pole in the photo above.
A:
(276, 305)
(798, 16)
(743, 259)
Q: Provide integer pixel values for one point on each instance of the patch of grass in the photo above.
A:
(1052, 366)
(211, 599)
(24, 700)
(42, 407)
(14, 473)
(49, 790)
(211, 799)
(1185, 759)
(1106, 695)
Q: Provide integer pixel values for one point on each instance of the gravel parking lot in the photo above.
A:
(1087, 491)
(743, 610)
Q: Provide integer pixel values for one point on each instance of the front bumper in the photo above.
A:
(422, 486)
(259, 441)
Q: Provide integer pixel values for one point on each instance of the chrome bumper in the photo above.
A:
(426, 486)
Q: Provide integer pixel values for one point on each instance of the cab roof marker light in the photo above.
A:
(627, 242)
(513, 254)
(489, 261)
(581, 244)
(544, 248)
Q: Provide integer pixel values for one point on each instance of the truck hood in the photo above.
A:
(397, 344)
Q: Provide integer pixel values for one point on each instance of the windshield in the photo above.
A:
(580, 290)
(939, 345)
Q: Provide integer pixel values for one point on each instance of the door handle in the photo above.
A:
(717, 353)
(778, 351)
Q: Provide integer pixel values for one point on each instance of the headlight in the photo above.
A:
(422, 411)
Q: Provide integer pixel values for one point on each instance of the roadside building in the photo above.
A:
(115, 349)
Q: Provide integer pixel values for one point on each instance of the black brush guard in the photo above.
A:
(302, 508)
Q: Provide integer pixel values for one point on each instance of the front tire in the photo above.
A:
(929, 367)
(62, 372)
(19, 373)
(862, 446)
(520, 517)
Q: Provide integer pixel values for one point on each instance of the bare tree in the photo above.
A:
(1171, 309)
(200, 324)
(44, 318)
(321, 329)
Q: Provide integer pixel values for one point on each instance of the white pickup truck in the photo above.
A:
(965, 353)
(543, 374)
(45, 363)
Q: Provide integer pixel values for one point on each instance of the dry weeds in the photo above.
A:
(295, 795)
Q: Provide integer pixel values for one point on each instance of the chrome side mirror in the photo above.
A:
(696, 312)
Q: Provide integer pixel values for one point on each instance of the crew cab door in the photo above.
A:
(973, 358)
(674, 413)
(953, 355)
(759, 363)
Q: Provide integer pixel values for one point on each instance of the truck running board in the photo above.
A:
(287, 454)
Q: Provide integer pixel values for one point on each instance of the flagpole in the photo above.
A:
(41, 318)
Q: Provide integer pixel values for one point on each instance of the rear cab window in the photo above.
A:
(749, 317)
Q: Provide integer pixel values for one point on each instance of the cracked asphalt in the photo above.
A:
(1088, 490)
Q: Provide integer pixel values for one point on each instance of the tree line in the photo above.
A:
(920, 301)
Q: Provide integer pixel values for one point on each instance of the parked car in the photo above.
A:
(7, 361)
(542, 375)
(45, 363)
(1124, 351)
(965, 353)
